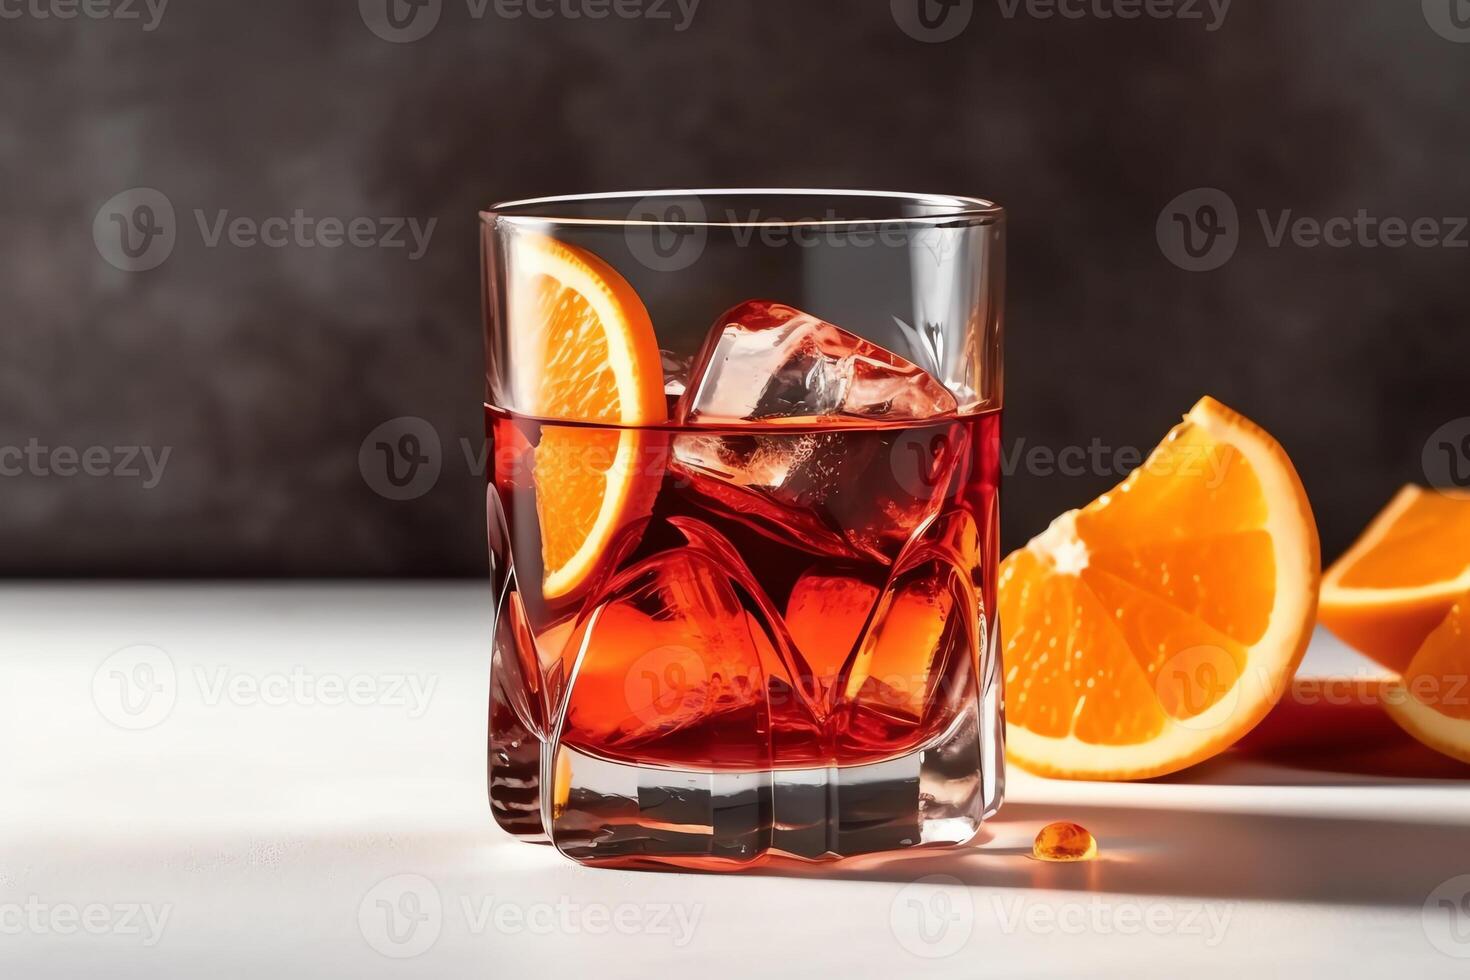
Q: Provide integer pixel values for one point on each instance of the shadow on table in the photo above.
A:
(1157, 850)
(1200, 854)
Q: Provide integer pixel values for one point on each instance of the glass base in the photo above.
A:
(623, 814)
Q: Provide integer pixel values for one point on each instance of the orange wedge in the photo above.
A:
(1152, 628)
(583, 348)
(1432, 700)
(1397, 582)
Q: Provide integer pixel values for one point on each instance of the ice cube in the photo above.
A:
(763, 482)
(913, 670)
(766, 361)
(843, 492)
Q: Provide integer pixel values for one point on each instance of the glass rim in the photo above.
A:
(952, 209)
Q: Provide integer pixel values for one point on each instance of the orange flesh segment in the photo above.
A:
(1052, 687)
(577, 380)
(1223, 580)
(570, 488)
(1439, 676)
(1429, 542)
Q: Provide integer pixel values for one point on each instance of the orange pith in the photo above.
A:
(583, 349)
(1152, 628)
(1397, 582)
(1432, 700)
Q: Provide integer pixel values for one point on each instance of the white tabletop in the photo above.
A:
(302, 795)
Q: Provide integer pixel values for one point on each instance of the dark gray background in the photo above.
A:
(264, 369)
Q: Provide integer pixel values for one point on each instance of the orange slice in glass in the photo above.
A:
(1390, 590)
(1152, 628)
(583, 348)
